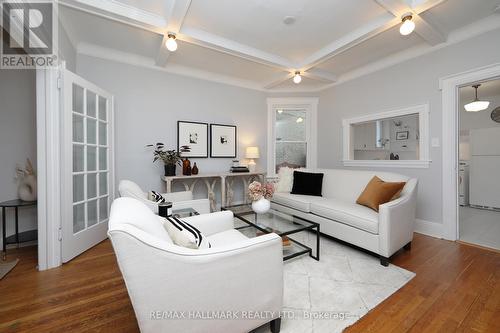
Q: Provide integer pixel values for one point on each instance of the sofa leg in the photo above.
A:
(384, 261)
(276, 325)
(408, 246)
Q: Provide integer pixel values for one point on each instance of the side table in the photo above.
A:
(17, 238)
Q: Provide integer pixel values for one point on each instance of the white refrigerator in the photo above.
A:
(484, 180)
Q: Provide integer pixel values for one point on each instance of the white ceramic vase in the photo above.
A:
(261, 206)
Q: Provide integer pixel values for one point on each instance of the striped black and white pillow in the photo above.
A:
(184, 234)
(156, 197)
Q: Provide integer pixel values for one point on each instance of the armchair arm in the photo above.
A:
(178, 196)
(244, 277)
(397, 221)
(213, 223)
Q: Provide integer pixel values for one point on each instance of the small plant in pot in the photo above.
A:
(170, 158)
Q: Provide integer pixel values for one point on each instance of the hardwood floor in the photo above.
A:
(457, 288)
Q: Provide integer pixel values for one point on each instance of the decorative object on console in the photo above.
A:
(260, 196)
(223, 141)
(170, 158)
(194, 135)
(285, 180)
(251, 153)
(239, 169)
(195, 170)
(377, 192)
(186, 167)
(307, 183)
(27, 189)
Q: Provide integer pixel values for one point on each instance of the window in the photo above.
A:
(397, 138)
(291, 133)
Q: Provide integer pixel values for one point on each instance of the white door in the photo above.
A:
(88, 164)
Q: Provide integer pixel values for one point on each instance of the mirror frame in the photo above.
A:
(348, 139)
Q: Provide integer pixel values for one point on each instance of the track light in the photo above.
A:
(407, 25)
(297, 78)
(476, 105)
(171, 43)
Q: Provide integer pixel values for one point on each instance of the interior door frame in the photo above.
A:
(449, 86)
(48, 104)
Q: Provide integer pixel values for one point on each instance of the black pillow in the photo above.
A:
(307, 183)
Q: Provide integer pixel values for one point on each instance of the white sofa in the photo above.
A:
(180, 200)
(165, 281)
(339, 216)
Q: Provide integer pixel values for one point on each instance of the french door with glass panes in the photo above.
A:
(88, 172)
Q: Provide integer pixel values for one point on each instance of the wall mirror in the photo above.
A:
(397, 138)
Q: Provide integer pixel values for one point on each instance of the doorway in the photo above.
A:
(479, 163)
(18, 166)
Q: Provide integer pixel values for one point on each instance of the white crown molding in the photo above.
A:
(145, 62)
(126, 11)
(487, 24)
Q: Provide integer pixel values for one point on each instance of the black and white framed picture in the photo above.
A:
(194, 135)
(403, 135)
(223, 141)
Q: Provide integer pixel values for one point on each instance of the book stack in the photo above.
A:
(239, 169)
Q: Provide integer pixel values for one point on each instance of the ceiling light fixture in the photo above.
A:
(407, 25)
(171, 43)
(299, 120)
(476, 105)
(297, 78)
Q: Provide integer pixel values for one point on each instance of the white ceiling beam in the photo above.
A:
(420, 6)
(350, 40)
(214, 42)
(175, 19)
(423, 28)
(320, 75)
(278, 79)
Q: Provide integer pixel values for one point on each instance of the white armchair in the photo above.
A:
(180, 200)
(173, 288)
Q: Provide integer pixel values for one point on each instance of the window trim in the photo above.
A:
(310, 105)
(423, 118)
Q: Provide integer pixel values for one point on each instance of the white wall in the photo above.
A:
(148, 105)
(17, 138)
(412, 82)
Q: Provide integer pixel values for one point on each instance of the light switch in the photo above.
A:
(435, 142)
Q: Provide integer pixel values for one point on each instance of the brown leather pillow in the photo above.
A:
(378, 192)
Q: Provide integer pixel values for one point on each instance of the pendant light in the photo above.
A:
(297, 78)
(476, 105)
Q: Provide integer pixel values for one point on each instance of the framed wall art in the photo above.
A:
(223, 141)
(194, 135)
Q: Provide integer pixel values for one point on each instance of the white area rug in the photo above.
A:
(344, 285)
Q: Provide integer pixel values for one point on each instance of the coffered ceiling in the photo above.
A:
(259, 44)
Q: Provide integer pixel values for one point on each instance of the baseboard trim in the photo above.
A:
(428, 228)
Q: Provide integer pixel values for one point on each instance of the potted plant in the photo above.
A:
(170, 158)
(260, 195)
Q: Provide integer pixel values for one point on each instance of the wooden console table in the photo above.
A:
(210, 179)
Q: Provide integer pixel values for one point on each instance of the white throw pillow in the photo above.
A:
(285, 182)
(184, 234)
(156, 197)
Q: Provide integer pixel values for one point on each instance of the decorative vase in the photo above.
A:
(186, 167)
(195, 170)
(261, 206)
(169, 170)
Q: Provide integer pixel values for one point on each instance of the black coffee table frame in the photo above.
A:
(314, 227)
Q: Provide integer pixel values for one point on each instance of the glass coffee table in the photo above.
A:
(283, 224)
